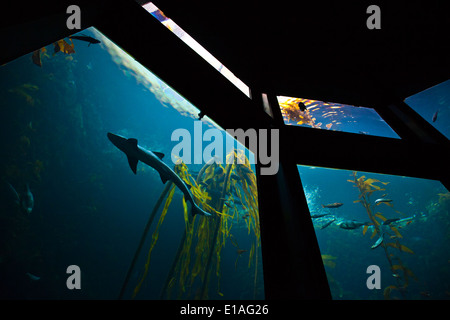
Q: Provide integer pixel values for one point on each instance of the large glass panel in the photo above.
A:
(194, 45)
(333, 116)
(398, 224)
(69, 196)
(433, 105)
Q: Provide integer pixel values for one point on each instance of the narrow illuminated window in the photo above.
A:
(194, 45)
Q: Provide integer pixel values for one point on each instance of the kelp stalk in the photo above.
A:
(183, 237)
(366, 188)
(144, 235)
(175, 261)
(216, 230)
(155, 237)
(256, 274)
(202, 170)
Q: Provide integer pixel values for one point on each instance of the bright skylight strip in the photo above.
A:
(194, 45)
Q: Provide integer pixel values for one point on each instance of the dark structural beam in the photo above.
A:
(292, 263)
(293, 267)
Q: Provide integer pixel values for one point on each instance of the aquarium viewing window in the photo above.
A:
(85, 206)
(95, 181)
(399, 224)
(433, 104)
(333, 116)
(194, 45)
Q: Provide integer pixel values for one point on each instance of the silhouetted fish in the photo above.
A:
(332, 205)
(87, 39)
(327, 224)
(319, 215)
(381, 200)
(28, 201)
(351, 224)
(136, 153)
(302, 106)
(32, 276)
(377, 243)
(389, 221)
(435, 115)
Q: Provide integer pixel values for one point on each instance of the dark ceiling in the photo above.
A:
(317, 49)
(323, 49)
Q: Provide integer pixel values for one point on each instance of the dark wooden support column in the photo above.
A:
(293, 267)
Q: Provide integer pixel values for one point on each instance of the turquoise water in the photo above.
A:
(334, 116)
(423, 204)
(89, 208)
(433, 105)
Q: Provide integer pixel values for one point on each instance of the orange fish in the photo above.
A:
(63, 46)
(36, 57)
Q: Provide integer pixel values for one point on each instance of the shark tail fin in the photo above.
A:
(197, 210)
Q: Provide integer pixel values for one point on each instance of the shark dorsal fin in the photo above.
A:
(160, 155)
(133, 163)
(133, 142)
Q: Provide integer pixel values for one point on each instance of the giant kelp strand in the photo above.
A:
(155, 237)
(199, 254)
(216, 243)
(168, 188)
(402, 274)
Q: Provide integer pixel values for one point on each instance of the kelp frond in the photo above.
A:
(155, 237)
(217, 189)
(444, 198)
(366, 187)
(328, 260)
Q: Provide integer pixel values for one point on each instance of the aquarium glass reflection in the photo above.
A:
(399, 224)
(433, 105)
(69, 196)
(333, 116)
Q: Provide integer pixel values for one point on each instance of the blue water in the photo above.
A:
(335, 116)
(433, 104)
(427, 235)
(90, 209)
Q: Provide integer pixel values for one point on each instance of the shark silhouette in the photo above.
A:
(134, 153)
